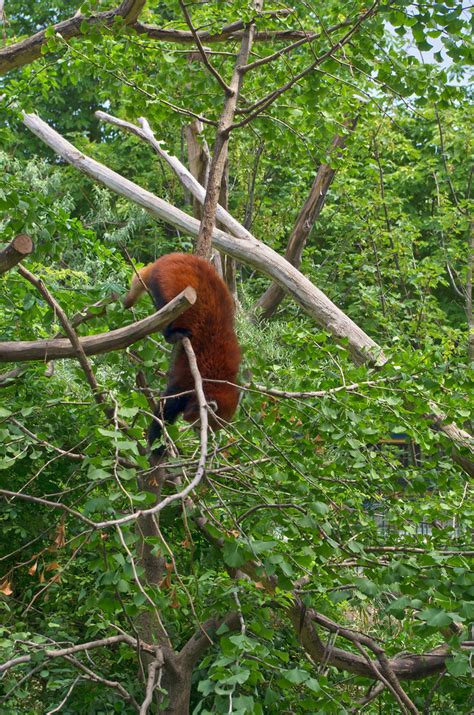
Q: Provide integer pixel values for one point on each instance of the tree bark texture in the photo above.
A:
(56, 348)
(16, 251)
(198, 159)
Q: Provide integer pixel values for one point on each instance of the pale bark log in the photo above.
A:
(16, 251)
(451, 430)
(53, 349)
(246, 250)
(183, 174)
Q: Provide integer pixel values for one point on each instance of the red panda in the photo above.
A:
(209, 324)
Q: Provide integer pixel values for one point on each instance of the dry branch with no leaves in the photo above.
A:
(53, 349)
(251, 251)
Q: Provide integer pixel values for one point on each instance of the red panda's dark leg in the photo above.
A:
(174, 335)
(170, 333)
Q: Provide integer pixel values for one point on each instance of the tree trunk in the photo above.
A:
(271, 299)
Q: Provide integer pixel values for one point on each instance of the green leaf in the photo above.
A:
(459, 664)
(295, 676)
(435, 617)
(366, 586)
(233, 554)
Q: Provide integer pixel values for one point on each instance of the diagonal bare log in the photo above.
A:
(246, 250)
(56, 348)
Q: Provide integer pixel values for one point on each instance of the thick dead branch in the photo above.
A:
(21, 246)
(406, 667)
(187, 178)
(54, 349)
(271, 299)
(456, 434)
(247, 250)
(26, 51)
(231, 32)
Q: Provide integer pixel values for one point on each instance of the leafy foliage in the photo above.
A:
(351, 490)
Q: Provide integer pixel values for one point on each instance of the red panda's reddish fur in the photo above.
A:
(210, 325)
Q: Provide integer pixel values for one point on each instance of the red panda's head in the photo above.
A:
(222, 399)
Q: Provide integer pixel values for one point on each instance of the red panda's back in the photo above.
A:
(210, 320)
(170, 275)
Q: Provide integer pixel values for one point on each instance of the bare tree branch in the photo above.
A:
(26, 51)
(70, 332)
(54, 349)
(266, 101)
(289, 48)
(221, 144)
(96, 678)
(16, 251)
(153, 667)
(79, 648)
(210, 67)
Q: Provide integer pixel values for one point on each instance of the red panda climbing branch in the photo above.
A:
(209, 324)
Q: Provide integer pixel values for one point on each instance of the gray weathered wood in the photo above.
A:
(55, 348)
(251, 251)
